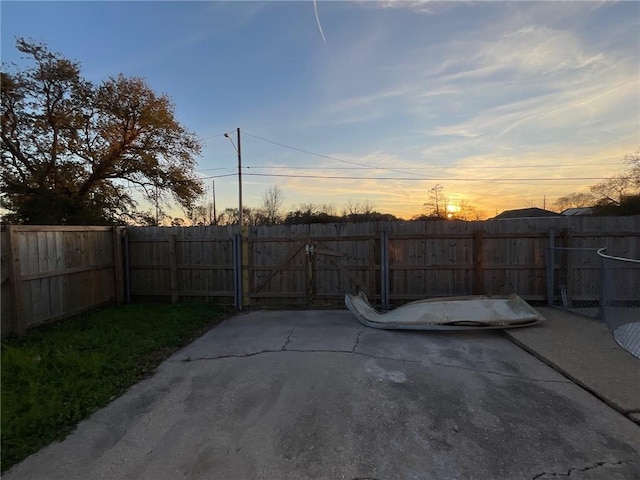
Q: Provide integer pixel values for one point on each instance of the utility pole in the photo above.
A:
(239, 150)
(239, 181)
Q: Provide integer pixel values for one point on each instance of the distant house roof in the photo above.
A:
(525, 213)
(577, 211)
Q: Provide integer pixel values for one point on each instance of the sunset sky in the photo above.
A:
(500, 103)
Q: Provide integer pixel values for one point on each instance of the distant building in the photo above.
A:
(577, 211)
(525, 213)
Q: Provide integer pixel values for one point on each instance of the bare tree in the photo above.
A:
(437, 204)
(272, 201)
(328, 209)
(613, 190)
(357, 207)
(228, 217)
(467, 212)
(633, 159)
(575, 200)
(312, 213)
(197, 215)
(250, 216)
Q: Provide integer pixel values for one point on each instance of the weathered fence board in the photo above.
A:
(181, 263)
(51, 272)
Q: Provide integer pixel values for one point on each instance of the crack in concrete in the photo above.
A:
(584, 469)
(284, 347)
(355, 345)
(493, 372)
(377, 357)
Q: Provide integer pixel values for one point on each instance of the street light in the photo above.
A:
(238, 149)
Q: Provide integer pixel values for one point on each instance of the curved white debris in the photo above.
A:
(452, 313)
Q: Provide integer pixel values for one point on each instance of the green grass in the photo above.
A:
(57, 375)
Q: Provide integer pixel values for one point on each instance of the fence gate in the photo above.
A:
(305, 271)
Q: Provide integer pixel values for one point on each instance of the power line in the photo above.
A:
(371, 167)
(306, 151)
(427, 179)
(218, 168)
(440, 167)
(324, 156)
(403, 179)
(219, 176)
(139, 187)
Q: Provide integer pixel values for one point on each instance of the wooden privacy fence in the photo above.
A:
(52, 272)
(391, 262)
(194, 263)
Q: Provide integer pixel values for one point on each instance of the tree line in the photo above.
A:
(271, 212)
(616, 195)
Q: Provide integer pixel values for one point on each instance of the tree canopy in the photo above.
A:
(71, 149)
(615, 195)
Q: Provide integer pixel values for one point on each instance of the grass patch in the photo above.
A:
(57, 375)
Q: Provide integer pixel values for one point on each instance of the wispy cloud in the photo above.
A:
(428, 7)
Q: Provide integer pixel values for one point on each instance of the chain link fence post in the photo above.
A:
(620, 299)
(573, 281)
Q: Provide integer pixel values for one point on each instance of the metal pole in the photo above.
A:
(239, 181)
(602, 313)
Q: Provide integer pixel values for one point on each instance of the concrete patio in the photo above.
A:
(314, 395)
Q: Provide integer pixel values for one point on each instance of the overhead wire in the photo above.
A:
(437, 167)
(372, 167)
(414, 176)
(325, 156)
(423, 179)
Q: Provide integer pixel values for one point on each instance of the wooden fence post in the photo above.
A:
(384, 269)
(478, 263)
(551, 260)
(173, 269)
(15, 281)
(118, 264)
(372, 266)
(244, 233)
(237, 271)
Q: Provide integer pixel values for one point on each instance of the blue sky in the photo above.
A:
(501, 103)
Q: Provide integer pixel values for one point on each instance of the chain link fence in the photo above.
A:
(591, 283)
(619, 306)
(573, 280)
